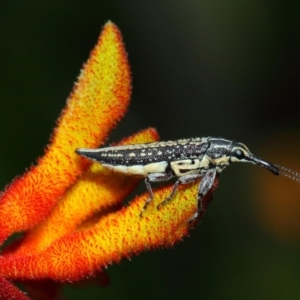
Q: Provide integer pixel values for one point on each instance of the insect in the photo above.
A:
(187, 159)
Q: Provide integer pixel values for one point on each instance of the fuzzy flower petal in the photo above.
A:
(116, 236)
(8, 291)
(98, 189)
(99, 100)
(70, 208)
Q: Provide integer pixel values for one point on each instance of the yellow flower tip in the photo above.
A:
(99, 99)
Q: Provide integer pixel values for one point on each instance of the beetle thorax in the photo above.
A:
(218, 154)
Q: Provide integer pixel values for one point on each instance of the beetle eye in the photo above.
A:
(239, 154)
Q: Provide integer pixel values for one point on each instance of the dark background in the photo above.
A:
(220, 68)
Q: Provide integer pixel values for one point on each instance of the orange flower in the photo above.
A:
(68, 207)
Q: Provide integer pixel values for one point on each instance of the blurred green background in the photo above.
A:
(220, 68)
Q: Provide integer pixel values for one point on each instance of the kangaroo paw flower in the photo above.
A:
(71, 210)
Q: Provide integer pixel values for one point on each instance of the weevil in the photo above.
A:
(187, 159)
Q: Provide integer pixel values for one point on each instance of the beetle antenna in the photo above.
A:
(289, 173)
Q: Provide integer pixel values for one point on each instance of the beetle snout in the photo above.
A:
(260, 162)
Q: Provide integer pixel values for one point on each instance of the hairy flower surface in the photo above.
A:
(69, 209)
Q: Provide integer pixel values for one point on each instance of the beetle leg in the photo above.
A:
(154, 177)
(182, 180)
(204, 187)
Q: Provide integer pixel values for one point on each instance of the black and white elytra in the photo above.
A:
(187, 159)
